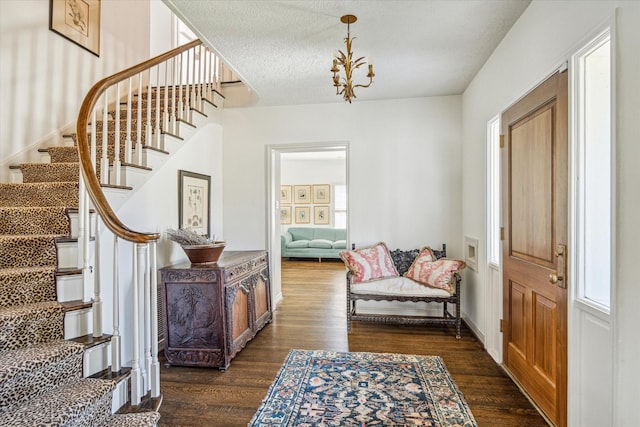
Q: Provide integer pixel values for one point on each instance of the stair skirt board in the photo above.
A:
(78, 323)
(70, 287)
(96, 359)
(68, 254)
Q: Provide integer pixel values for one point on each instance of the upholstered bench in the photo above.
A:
(375, 274)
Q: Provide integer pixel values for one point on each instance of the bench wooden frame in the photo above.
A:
(446, 318)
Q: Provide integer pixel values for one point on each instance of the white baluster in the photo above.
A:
(94, 138)
(155, 365)
(193, 100)
(116, 361)
(83, 247)
(172, 110)
(128, 145)
(97, 298)
(116, 149)
(147, 322)
(82, 229)
(104, 161)
(139, 123)
(187, 99)
(199, 86)
(180, 111)
(165, 113)
(157, 143)
(138, 277)
(218, 77)
(173, 124)
(148, 135)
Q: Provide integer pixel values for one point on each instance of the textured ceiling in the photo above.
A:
(283, 50)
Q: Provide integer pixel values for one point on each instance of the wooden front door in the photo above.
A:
(535, 170)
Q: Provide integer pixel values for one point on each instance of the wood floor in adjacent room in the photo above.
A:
(312, 317)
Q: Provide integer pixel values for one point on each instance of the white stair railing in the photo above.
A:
(170, 86)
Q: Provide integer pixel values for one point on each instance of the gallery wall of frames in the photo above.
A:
(305, 204)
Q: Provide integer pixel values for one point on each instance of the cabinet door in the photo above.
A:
(194, 334)
(239, 316)
(262, 300)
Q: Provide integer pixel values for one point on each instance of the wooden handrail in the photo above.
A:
(109, 218)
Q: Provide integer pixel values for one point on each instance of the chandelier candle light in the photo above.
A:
(346, 87)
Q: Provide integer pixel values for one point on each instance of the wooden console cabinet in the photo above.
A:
(212, 311)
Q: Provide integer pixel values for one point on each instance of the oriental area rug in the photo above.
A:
(325, 388)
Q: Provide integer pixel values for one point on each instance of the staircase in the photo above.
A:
(56, 367)
(41, 373)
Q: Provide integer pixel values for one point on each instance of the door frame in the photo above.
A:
(273, 156)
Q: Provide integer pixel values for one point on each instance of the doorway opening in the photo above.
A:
(296, 173)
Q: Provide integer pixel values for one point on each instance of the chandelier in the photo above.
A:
(345, 87)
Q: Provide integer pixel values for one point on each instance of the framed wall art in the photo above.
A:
(77, 21)
(285, 194)
(302, 194)
(285, 214)
(321, 193)
(194, 209)
(302, 215)
(321, 215)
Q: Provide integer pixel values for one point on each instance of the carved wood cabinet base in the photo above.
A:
(212, 311)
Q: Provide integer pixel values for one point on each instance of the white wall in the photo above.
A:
(543, 37)
(404, 168)
(44, 77)
(154, 208)
(308, 172)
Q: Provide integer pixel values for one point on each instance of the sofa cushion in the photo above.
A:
(428, 271)
(320, 243)
(369, 263)
(298, 244)
(301, 233)
(325, 233)
(339, 244)
(401, 286)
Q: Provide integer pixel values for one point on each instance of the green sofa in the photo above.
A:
(313, 242)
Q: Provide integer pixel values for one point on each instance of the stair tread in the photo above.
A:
(23, 285)
(29, 324)
(64, 405)
(89, 340)
(28, 373)
(17, 310)
(34, 220)
(25, 359)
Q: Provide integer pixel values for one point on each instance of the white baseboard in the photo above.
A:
(474, 328)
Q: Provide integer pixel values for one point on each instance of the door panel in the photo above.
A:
(531, 229)
(534, 171)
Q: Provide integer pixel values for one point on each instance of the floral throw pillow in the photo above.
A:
(369, 263)
(428, 271)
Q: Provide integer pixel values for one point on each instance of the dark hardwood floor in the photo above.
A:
(312, 316)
